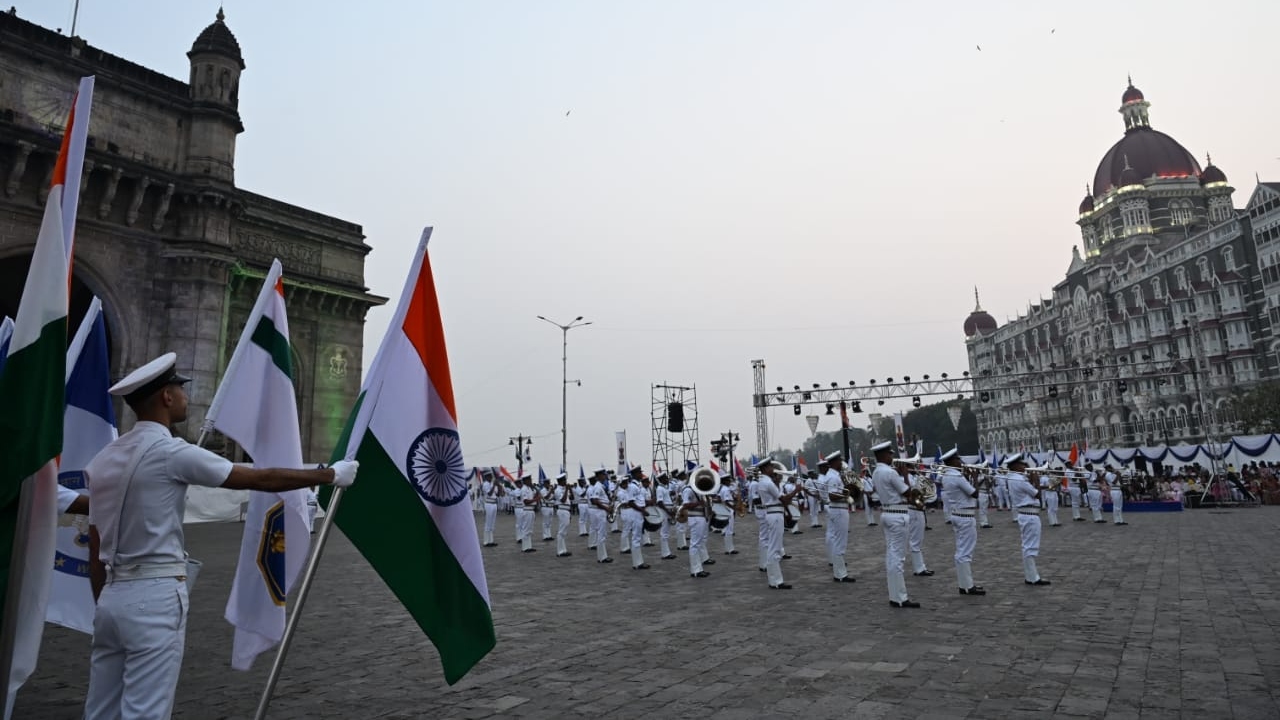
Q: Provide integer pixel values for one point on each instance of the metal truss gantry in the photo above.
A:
(671, 450)
(762, 412)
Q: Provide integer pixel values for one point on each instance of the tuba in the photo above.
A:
(705, 483)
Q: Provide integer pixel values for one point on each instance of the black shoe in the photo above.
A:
(783, 586)
(797, 532)
(926, 527)
(1041, 581)
(550, 539)
(700, 574)
(625, 552)
(1077, 519)
(904, 604)
(615, 532)
(846, 578)
(815, 526)
(531, 550)
(1100, 521)
(563, 554)
(648, 544)
(641, 566)
(975, 590)
(872, 524)
(1059, 524)
(682, 547)
(606, 560)
(709, 562)
(985, 526)
(591, 547)
(786, 557)
(730, 552)
(762, 569)
(491, 544)
(924, 573)
(583, 534)
(1122, 523)
(668, 557)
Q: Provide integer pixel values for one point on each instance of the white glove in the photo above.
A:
(344, 473)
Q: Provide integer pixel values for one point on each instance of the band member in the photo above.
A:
(562, 495)
(1026, 504)
(1073, 492)
(696, 508)
(726, 497)
(962, 498)
(598, 500)
(650, 498)
(632, 497)
(791, 485)
(546, 508)
(838, 508)
(769, 490)
(611, 485)
(984, 503)
(1049, 485)
(662, 497)
(892, 487)
(1095, 493)
(815, 498)
(678, 484)
(580, 497)
(1001, 487)
(490, 490)
(869, 498)
(915, 531)
(762, 545)
(525, 511)
(1117, 496)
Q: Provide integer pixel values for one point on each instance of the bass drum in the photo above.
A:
(720, 516)
(654, 516)
(790, 516)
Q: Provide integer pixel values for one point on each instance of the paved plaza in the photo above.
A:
(1174, 615)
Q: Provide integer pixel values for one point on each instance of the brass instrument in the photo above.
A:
(705, 483)
(852, 485)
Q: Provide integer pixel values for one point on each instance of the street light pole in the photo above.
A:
(564, 385)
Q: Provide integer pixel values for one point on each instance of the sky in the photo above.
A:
(817, 184)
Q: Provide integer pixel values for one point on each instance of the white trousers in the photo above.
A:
(1095, 504)
(547, 513)
(1002, 498)
(1074, 493)
(762, 540)
(1117, 506)
(837, 540)
(139, 635)
(697, 542)
(524, 527)
(1051, 505)
(895, 552)
(814, 509)
(728, 534)
(599, 532)
(966, 531)
(562, 514)
(682, 535)
(633, 527)
(1029, 525)
(664, 537)
(915, 540)
(866, 507)
(583, 519)
(772, 526)
(984, 501)
(490, 520)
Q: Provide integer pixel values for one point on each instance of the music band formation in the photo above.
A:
(687, 506)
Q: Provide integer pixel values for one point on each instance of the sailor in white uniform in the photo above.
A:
(762, 544)
(562, 499)
(137, 555)
(525, 512)
(678, 484)
(838, 507)
(726, 499)
(490, 490)
(1049, 486)
(1026, 505)
(892, 488)
(695, 507)
(915, 531)
(1095, 493)
(598, 501)
(1117, 496)
(663, 499)
(772, 498)
(580, 497)
(1073, 492)
(633, 504)
(961, 498)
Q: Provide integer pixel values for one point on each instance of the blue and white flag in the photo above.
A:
(88, 425)
(582, 474)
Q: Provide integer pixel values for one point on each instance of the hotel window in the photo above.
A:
(1180, 278)
(1203, 264)
(1228, 258)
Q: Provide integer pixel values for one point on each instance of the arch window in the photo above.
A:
(1229, 258)
(1137, 296)
(1182, 212)
(1157, 290)
(1203, 264)
(1180, 278)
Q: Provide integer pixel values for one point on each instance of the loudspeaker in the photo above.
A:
(675, 417)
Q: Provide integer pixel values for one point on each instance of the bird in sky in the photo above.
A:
(979, 48)
(566, 113)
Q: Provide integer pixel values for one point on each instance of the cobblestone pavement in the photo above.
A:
(1174, 615)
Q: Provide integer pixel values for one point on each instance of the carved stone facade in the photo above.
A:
(175, 250)
(1163, 317)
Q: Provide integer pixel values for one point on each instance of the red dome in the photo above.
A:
(1131, 94)
(1147, 152)
(979, 321)
(1086, 205)
(1212, 174)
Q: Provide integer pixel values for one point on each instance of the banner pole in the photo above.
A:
(304, 588)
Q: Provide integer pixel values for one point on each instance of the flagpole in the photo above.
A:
(304, 588)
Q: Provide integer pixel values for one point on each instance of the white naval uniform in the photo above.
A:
(1049, 494)
(682, 529)
(837, 534)
(762, 543)
(548, 510)
(1095, 497)
(635, 522)
(1073, 492)
(915, 534)
(697, 530)
(524, 516)
(958, 493)
(489, 491)
(1027, 510)
(564, 501)
(664, 533)
(726, 497)
(816, 498)
(140, 622)
(598, 521)
(584, 523)
(984, 502)
(771, 499)
(890, 487)
(868, 489)
(1117, 499)
(789, 487)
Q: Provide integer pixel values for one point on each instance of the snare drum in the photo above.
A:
(654, 516)
(720, 516)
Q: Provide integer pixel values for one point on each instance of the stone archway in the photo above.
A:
(13, 276)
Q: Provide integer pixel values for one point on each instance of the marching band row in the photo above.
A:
(687, 506)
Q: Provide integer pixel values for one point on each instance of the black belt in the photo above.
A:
(903, 512)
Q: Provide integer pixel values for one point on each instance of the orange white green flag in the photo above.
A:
(407, 513)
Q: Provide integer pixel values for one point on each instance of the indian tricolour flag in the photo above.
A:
(6, 332)
(406, 512)
(256, 407)
(88, 425)
(32, 392)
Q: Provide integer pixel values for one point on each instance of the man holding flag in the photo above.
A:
(137, 556)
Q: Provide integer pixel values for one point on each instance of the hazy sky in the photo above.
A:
(819, 184)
